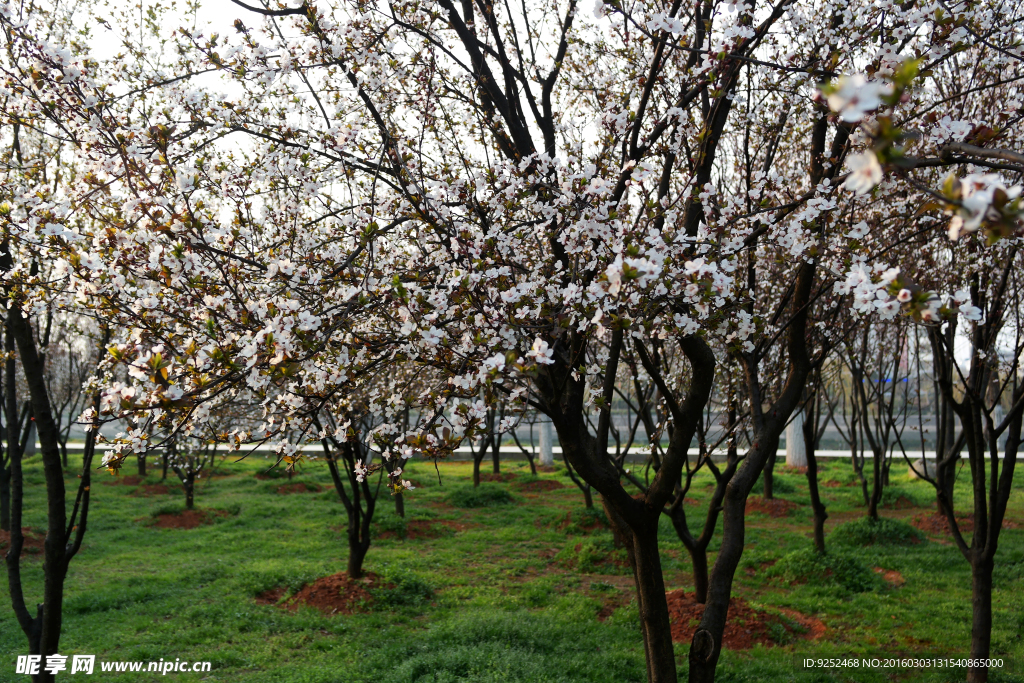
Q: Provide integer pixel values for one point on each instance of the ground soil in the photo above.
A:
(424, 529)
(891, 576)
(776, 507)
(335, 594)
(935, 523)
(32, 545)
(902, 503)
(538, 485)
(152, 490)
(124, 480)
(592, 523)
(500, 477)
(745, 627)
(298, 487)
(187, 519)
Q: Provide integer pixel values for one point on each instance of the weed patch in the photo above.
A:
(832, 569)
(483, 496)
(881, 531)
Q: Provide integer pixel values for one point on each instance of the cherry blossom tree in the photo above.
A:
(523, 204)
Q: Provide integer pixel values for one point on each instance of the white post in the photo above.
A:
(547, 458)
(796, 454)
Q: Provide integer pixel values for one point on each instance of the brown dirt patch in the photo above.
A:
(831, 484)
(903, 503)
(891, 576)
(539, 485)
(745, 625)
(418, 529)
(776, 507)
(124, 480)
(499, 477)
(187, 519)
(335, 594)
(152, 490)
(935, 523)
(547, 469)
(591, 523)
(298, 487)
(32, 545)
(794, 470)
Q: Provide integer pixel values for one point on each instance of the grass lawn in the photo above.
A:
(506, 592)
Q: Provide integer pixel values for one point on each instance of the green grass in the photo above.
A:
(510, 591)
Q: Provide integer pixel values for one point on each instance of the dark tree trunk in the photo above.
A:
(654, 620)
(588, 499)
(45, 630)
(5, 497)
(357, 550)
(399, 505)
(817, 507)
(496, 454)
(706, 646)
(190, 490)
(141, 460)
(698, 561)
(876, 485)
(769, 477)
(358, 498)
(981, 617)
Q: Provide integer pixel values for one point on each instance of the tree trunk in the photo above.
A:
(876, 486)
(141, 460)
(5, 497)
(190, 490)
(706, 645)
(496, 454)
(399, 505)
(808, 436)
(769, 479)
(655, 624)
(48, 622)
(981, 617)
(357, 550)
(698, 553)
(699, 561)
(820, 515)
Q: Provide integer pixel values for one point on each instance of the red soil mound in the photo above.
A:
(590, 523)
(744, 627)
(538, 485)
(936, 523)
(423, 529)
(336, 594)
(129, 480)
(187, 519)
(891, 576)
(503, 476)
(775, 507)
(32, 545)
(903, 503)
(298, 487)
